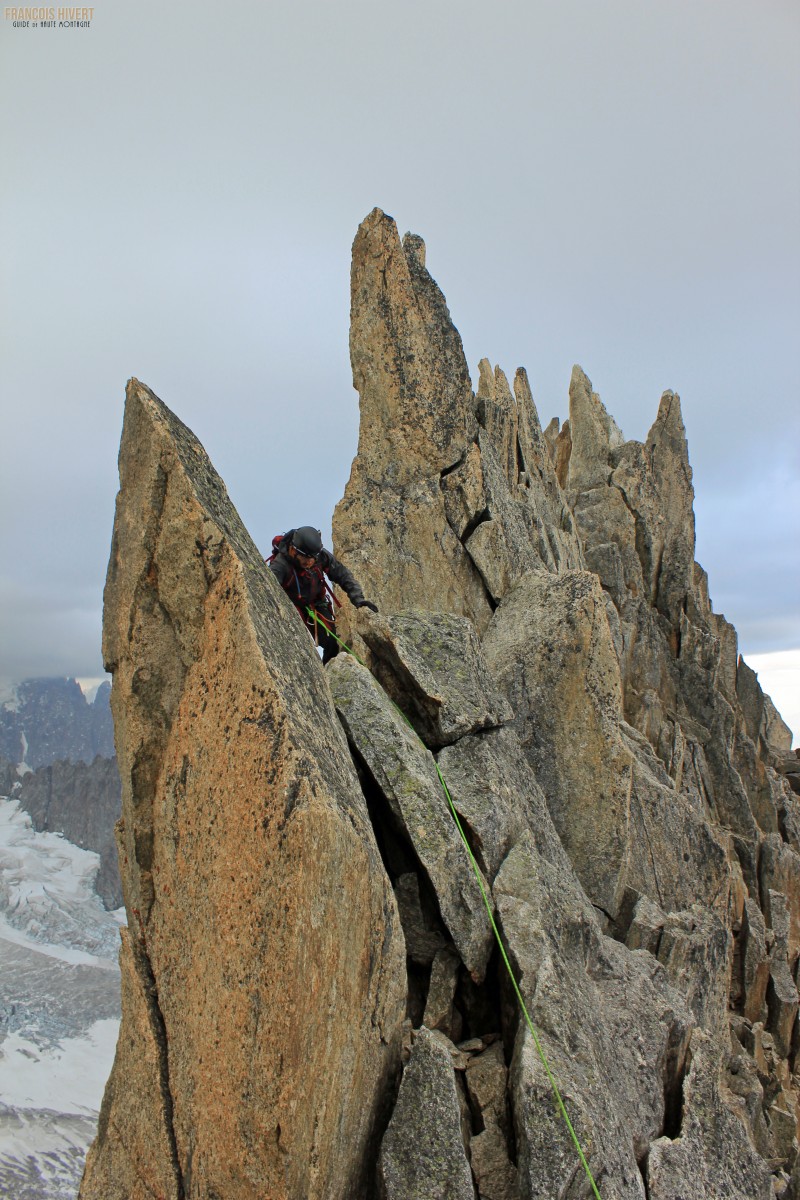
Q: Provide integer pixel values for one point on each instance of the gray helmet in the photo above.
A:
(307, 540)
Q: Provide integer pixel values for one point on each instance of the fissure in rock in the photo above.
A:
(159, 1032)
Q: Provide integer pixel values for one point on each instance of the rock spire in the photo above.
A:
(314, 1004)
(263, 976)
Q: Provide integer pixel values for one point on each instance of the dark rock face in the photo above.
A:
(51, 721)
(83, 801)
(547, 660)
(8, 777)
(72, 786)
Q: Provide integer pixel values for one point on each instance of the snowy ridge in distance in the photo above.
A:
(59, 1008)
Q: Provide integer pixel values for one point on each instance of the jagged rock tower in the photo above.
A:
(314, 1003)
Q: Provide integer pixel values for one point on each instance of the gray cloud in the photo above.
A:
(615, 185)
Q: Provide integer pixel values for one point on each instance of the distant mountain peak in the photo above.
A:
(46, 720)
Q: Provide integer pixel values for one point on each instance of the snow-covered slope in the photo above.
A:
(59, 1008)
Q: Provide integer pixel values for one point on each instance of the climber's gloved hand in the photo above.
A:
(367, 604)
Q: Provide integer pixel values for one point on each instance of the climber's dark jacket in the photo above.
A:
(305, 586)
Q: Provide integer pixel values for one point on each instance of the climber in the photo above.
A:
(301, 563)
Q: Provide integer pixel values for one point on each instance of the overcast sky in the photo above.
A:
(609, 182)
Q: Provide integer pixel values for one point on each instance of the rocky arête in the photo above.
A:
(312, 1005)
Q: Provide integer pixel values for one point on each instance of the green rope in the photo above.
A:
(495, 930)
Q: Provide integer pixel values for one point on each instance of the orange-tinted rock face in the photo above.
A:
(260, 1025)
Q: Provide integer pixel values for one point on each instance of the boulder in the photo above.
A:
(696, 951)
(442, 990)
(782, 996)
(486, 1078)
(775, 732)
(495, 1174)
(422, 1155)
(646, 927)
(431, 665)
(423, 938)
(712, 1156)
(496, 795)
(782, 1001)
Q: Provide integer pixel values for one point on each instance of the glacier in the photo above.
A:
(59, 1007)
